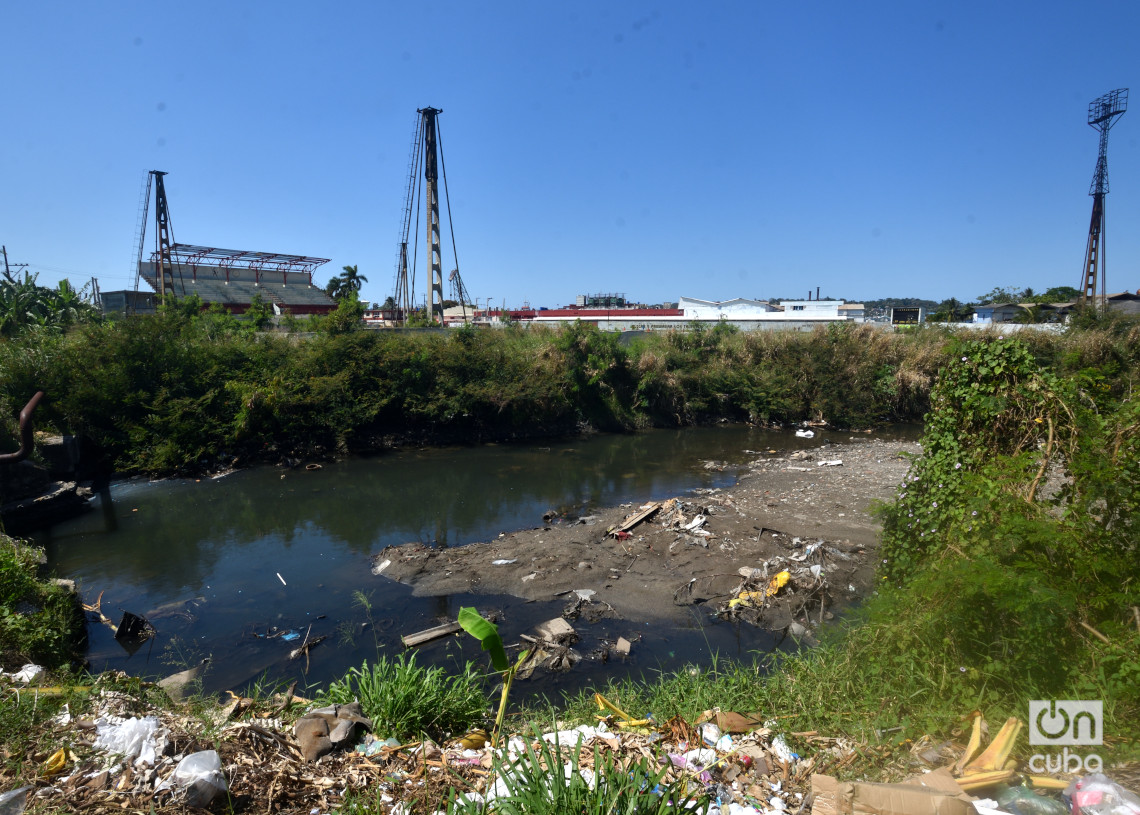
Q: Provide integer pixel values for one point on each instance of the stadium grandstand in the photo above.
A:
(233, 278)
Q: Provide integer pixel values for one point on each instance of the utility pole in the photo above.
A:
(7, 268)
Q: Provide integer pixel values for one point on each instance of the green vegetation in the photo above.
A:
(1014, 540)
(27, 308)
(488, 635)
(40, 622)
(407, 700)
(347, 284)
(530, 788)
(190, 389)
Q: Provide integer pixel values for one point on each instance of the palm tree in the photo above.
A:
(346, 284)
(351, 280)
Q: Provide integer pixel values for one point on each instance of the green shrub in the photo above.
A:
(407, 700)
(39, 622)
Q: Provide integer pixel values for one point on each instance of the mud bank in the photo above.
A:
(789, 510)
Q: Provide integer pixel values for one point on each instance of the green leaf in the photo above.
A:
(488, 635)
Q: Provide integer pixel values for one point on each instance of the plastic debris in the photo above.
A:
(835, 462)
(197, 778)
(14, 802)
(1025, 801)
(1097, 794)
(695, 524)
(504, 561)
(27, 674)
(805, 434)
(133, 739)
(751, 598)
(710, 733)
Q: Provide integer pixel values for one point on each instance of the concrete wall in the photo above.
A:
(828, 309)
(739, 308)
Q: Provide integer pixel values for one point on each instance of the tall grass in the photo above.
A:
(407, 700)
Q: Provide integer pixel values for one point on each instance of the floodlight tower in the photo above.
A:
(427, 152)
(1103, 113)
(431, 197)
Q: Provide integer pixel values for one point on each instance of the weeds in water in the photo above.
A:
(405, 700)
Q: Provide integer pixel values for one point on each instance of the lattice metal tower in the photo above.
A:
(431, 198)
(427, 152)
(1103, 113)
(163, 239)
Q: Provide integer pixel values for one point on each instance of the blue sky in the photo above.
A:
(727, 149)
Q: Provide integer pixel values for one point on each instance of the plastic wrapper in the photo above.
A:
(134, 739)
(1097, 794)
(1024, 801)
(13, 803)
(197, 778)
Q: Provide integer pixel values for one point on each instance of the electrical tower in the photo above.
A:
(427, 163)
(1103, 113)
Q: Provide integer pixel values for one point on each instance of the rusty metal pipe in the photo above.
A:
(27, 442)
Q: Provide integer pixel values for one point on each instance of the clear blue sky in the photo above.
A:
(711, 150)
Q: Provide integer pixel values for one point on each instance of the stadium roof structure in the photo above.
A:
(184, 254)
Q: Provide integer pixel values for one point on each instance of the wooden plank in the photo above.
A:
(636, 519)
(427, 635)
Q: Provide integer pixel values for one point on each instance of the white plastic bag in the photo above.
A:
(200, 775)
(133, 738)
(1097, 794)
(13, 803)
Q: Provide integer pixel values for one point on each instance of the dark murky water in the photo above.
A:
(202, 559)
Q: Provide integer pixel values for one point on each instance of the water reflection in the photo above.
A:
(151, 545)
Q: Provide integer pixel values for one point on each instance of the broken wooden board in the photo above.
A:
(427, 635)
(634, 520)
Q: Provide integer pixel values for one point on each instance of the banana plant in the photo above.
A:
(487, 633)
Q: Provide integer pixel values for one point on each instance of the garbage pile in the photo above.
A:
(123, 755)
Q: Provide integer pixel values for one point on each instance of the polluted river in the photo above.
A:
(348, 557)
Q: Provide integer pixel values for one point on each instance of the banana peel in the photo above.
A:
(56, 763)
(981, 780)
(972, 747)
(748, 598)
(474, 740)
(606, 704)
(994, 758)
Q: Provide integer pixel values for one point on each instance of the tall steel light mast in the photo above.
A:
(1103, 113)
(431, 198)
(427, 150)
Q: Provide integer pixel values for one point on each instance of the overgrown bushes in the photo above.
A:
(1011, 566)
(189, 389)
(184, 389)
(40, 622)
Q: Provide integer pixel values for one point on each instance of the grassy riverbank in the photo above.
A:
(184, 391)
